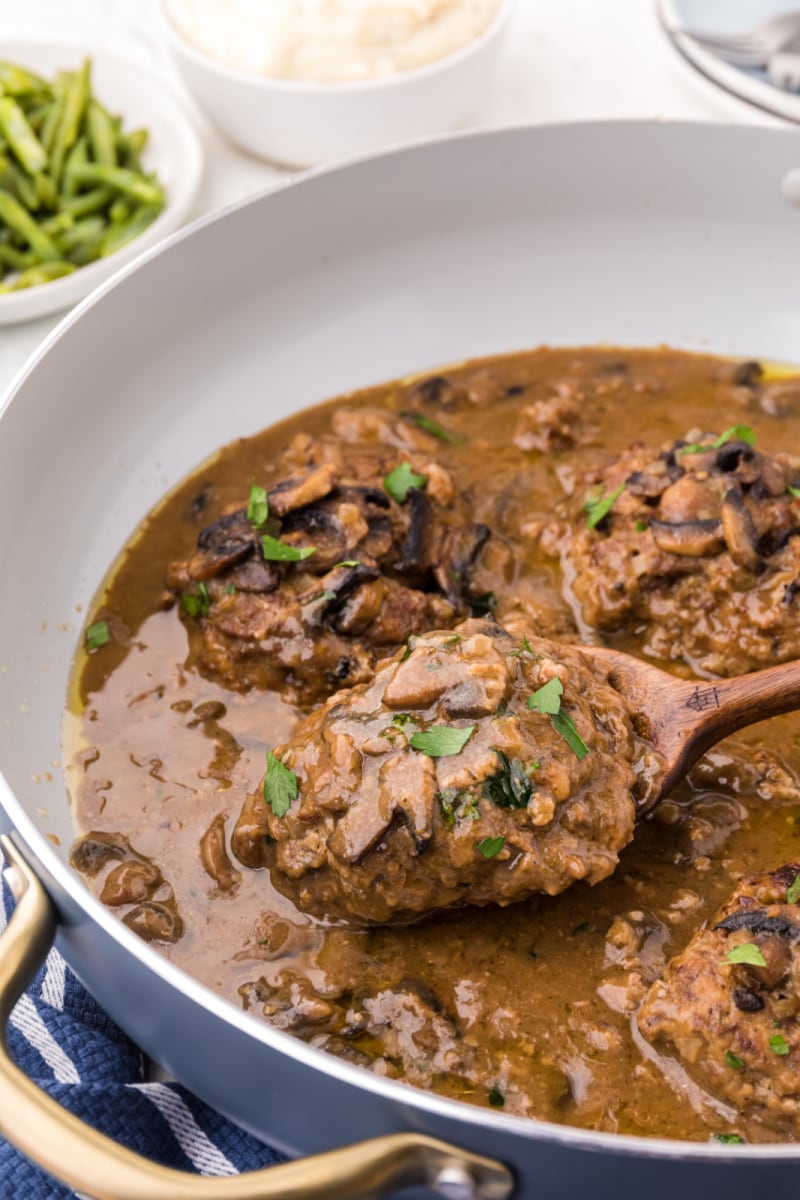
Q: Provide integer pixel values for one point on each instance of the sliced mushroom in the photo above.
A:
(460, 548)
(256, 575)
(224, 543)
(414, 562)
(732, 454)
(695, 539)
(653, 481)
(739, 531)
(214, 856)
(301, 490)
(756, 921)
(321, 530)
(91, 852)
(130, 882)
(154, 922)
(333, 589)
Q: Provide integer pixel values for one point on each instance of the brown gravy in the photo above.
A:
(528, 1008)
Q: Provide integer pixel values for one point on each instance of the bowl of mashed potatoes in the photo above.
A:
(310, 81)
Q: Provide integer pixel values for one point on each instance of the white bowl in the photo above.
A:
(143, 99)
(304, 123)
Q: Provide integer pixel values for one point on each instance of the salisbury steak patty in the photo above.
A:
(360, 543)
(728, 1005)
(473, 769)
(697, 543)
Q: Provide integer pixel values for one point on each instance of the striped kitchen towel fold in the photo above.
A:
(64, 1042)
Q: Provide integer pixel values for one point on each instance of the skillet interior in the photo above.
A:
(634, 234)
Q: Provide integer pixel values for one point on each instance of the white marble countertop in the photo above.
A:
(574, 60)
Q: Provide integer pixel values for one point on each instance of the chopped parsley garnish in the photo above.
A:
(323, 597)
(275, 551)
(257, 505)
(496, 1097)
(401, 480)
(728, 1139)
(733, 1060)
(641, 526)
(793, 891)
(793, 491)
(564, 724)
(524, 648)
(457, 805)
(451, 641)
(196, 604)
(440, 741)
(778, 1044)
(410, 644)
(510, 787)
(401, 719)
(97, 635)
(347, 562)
(432, 427)
(489, 847)
(600, 506)
(741, 433)
(280, 786)
(747, 953)
(481, 605)
(547, 700)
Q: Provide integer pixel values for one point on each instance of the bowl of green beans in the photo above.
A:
(98, 161)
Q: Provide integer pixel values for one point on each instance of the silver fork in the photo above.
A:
(753, 47)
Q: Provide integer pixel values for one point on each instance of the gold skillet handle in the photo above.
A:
(93, 1164)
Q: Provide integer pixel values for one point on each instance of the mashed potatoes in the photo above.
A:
(330, 40)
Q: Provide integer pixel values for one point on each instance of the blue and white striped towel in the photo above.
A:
(64, 1042)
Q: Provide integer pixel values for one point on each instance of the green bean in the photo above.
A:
(130, 183)
(50, 124)
(59, 223)
(102, 139)
(75, 99)
(131, 148)
(14, 216)
(23, 141)
(120, 210)
(36, 114)
(88, 202)
(16, 81)
(41, 273)
(77, 157)
(119, 235)
(46, 190)
(16, 260)
(80, 232)
(19, 185)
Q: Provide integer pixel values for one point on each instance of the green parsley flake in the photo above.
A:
(728, 1139)
(489, 847)
(793, 491)
(524, 648)
(401, 719)
(733, 1060)
(97, 635)
(458, 806)
(280, 786)
(196, 604)
(401, 480)
(451, 641)
(564, 724)
(741, 433)
(410, 644)
(347, 562)
(510, 787)
(257, 505)
(432, 427)
(793, 891)
(600, 506)
(496, 1097)
(778, 1044)
(440, 741)
(747, 953)
(547, 699)
(641, 526)
(275, 551)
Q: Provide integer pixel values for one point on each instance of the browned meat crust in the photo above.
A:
(380, 570)
(735, 1026)
(382, 830)
(700, 547)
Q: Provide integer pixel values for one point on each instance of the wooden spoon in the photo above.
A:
(682, 718)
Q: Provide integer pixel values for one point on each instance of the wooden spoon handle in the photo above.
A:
(701, 713)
